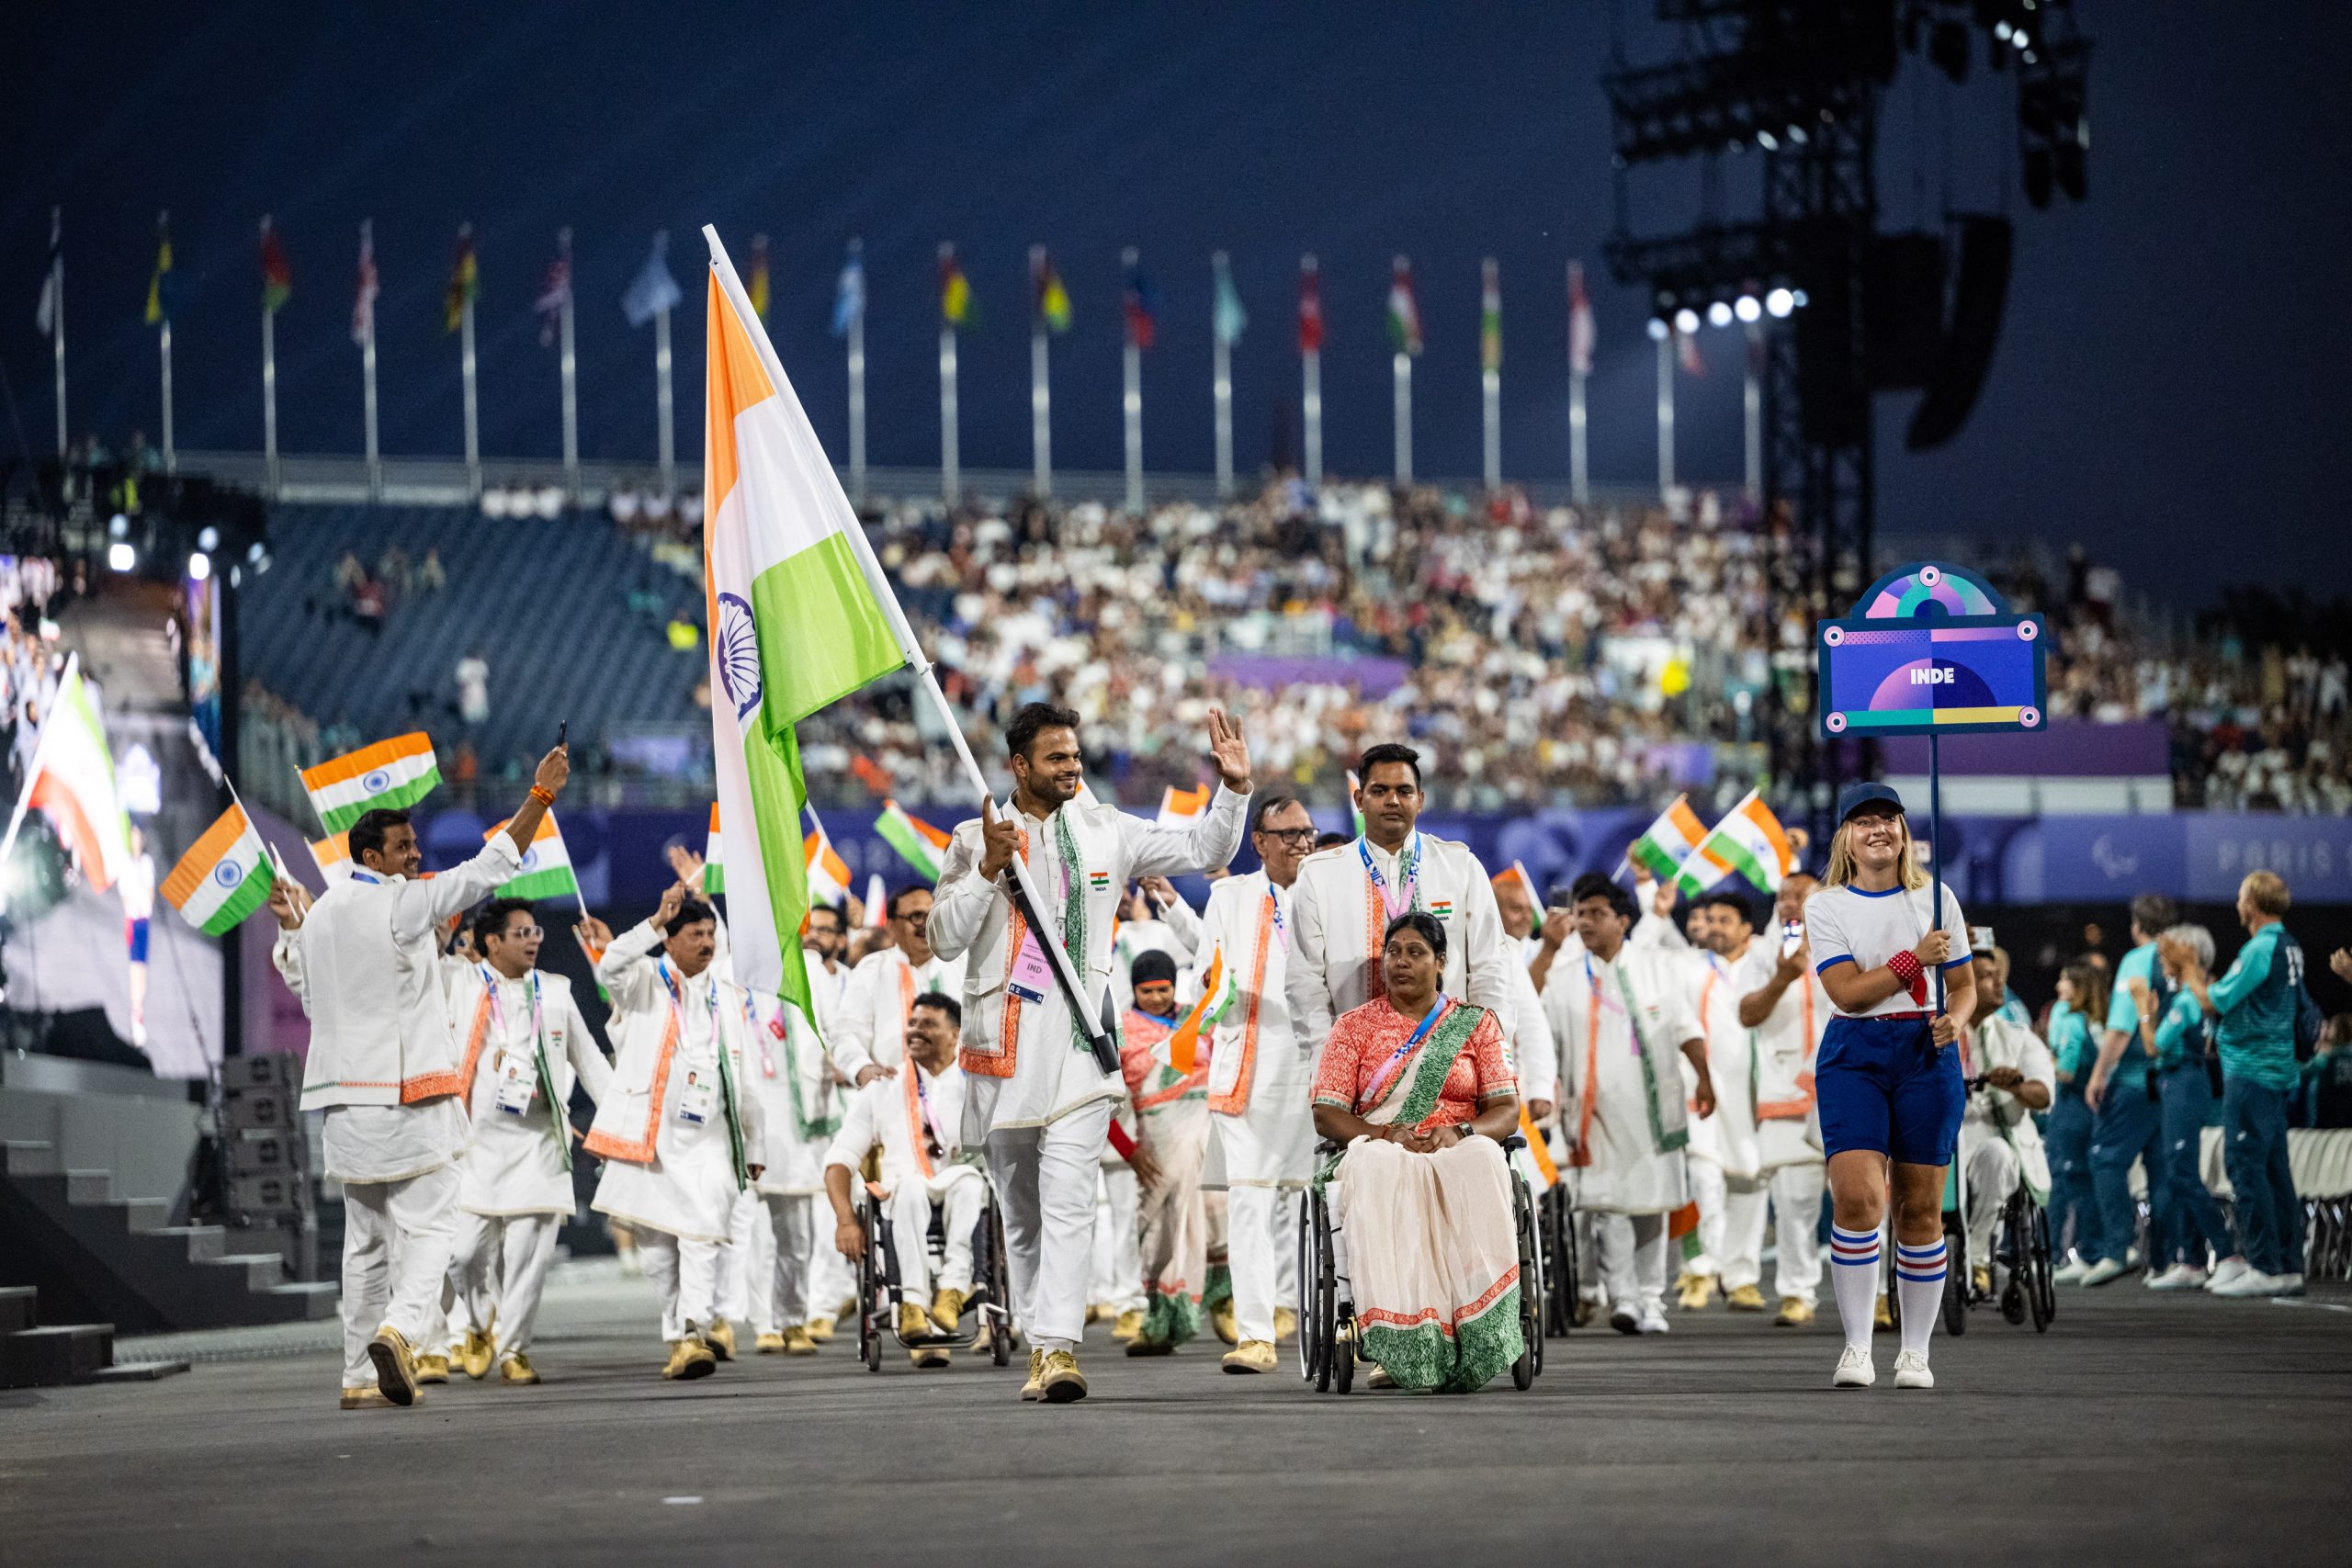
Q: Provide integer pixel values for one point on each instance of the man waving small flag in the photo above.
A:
(225, 877)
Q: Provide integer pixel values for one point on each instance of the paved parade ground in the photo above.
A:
(2198, 1430)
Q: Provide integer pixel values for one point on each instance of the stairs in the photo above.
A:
(36, 1356)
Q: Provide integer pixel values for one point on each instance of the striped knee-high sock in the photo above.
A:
(1919, 1278)
(1853, 1275)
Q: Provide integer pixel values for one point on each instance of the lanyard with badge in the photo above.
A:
(518, 1079)
(695, 1096)
(1389, 1068)
(1408, 895)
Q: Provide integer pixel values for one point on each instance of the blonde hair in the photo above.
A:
(1842, 868)
(2267, 891)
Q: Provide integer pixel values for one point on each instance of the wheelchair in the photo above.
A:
(879, 1284)
(1327, 1317)
(1557, 1231)
(2022, 1261)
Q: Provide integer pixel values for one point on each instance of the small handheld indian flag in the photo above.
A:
(332, 856)
(828, 873)
(547, 865)
(714, 873)
(1219, 990)
(391, 775)
(877, 901)
(1183, 808)
(225, 877)
(1748, 842)
(1355, 788)
(918, 844)
(1668, 843)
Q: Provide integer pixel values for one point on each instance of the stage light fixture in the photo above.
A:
(1686, 320)
(199, 566)
(1747, 310)
(1778, 303)
(208, 538)
(1770, 142)
(1657, 328)
(1799, 299)
(118, 526)
(1719, 314)
(2001, 30)
(121, 557)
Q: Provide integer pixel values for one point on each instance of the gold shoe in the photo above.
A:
(947, 1309)
(1035, 1389)
(369, 1398)
(1380, 1378)
(516, 1370)
(798, 1341)
(820, 1330)
(768, 1344)
(1694, 1291)
(1587, 1309)
(848, 1308)
(1747, 1298)
(1095, 1313)
(1250, 1356)
(1221, 1319)
(913, 1322)
(395, 1365)
(720, 1337)
(929, 1356)
(1285, 1325)
(1795, 1313)
(1139, 1345)
(1982, 1279)
(432, 1368)
(477, 1355)
(1129, 1325)
(690, 1359)
(1882, 1313)
(1058, 1380)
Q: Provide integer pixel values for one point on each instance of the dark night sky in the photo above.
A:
(2169, 388)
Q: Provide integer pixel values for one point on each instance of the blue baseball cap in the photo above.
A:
(1854, 796)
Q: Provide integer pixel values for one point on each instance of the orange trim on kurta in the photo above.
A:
(1000, 1063)
(918, 1130)
(1589, 1089)
(1237, 1101)
(1802, 1106)
(473, 1049)
(429, 1085)
(612, 1147)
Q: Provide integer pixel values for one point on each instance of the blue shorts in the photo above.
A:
(1882, 1085)
(134, 933)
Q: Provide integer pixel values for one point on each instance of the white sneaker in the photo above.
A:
(1626, 1318)
(1854, 1368)
(2070, 1272)
(2253, 1283)
(1911, 1370)
(1653, 1318)
(2102, 1272)
(2180, 1277)
(2228, 1271)
(2289, 1285)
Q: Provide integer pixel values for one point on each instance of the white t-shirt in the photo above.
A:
(1847, 925)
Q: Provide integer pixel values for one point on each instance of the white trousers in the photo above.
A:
(1046, 1178)
(396, 1240)
(961, 1194)
(791, 1222)
(1796, 1229)
(1262, 1250)
(1992, 1176)
(1115, 1270)
(1732, 1241)
(499, 1271)
(830, 1280)
(748, 1260)
(686, 1274)
(1632, 1257)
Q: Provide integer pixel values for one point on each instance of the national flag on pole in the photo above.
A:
(877, 902)
(828, 873)
(73, 784)
(1052, 300)
(756, 286)
(391, 775)
(332, 856)
(653, 290)
(918, 844)
(1404, 311)
(1491, 316)
(1183, 808)
(1686, 352)
(1748, 842)
(1310, 306)
(1354, 810)
(163, 288)
(45, 313)
(794, 624)
(1231, 320)
(547, 865)
(1579, 321)
(1219, 991)
(714, 862)
(225, 877)
(849, 294)
(363, 297)
(556, 292)
(1668, 843)
(465, 280)
(1139, 301)
(277, 275)
(955, 289)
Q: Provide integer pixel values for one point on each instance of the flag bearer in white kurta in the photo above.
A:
(383, 1066)
(679, 1137)
(524, 1045)
(1789, 1011)
(1038, 1099)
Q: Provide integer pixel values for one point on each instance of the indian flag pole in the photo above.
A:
(808, 617)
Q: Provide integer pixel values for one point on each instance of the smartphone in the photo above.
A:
(1791, 936)
(563, 729)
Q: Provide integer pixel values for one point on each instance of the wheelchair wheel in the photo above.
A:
(1956, 1276)
(2009, 1252)
(1000, 1288)
(1328, 1349)
(1310, 1317)
(1560, 1262)
(2041, 1291)
(870, 1288)
(1531, 1288)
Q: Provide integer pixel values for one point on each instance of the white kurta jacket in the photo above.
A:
(1621, 1106)
(512, 1163)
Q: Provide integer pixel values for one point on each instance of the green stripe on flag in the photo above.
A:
(250, 895)
(400, 797)
(1730, 848)
(1653, 854)
(772, 767)
(556, 882)
(822, 637)
(714, 879)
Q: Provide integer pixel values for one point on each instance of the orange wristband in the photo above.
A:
(543, 796)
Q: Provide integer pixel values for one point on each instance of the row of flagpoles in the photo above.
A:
(654, 293)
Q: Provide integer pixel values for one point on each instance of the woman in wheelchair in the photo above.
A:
(1420, 1089)
(915, 1115)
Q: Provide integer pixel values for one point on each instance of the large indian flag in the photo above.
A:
(794, 623)
(1668, 843)
(225, 877)
(391, 775)
(547, 864)
(73, 784)
(1748, 842)
(918, 844)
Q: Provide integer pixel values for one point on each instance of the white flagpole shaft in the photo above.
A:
(950, 479)
(269, 398)
(1580, 488)
(1403, 365)
(570, 394)
(1492, 385)
(1131, 404)
(1753, 396)
(1041, 414)
(1664, 413)
(1221, 392)
(857, 407)
(367, 378)
(1310, 369)
(57, 347)
(163, 341)
(473, 407)
(663, 401)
